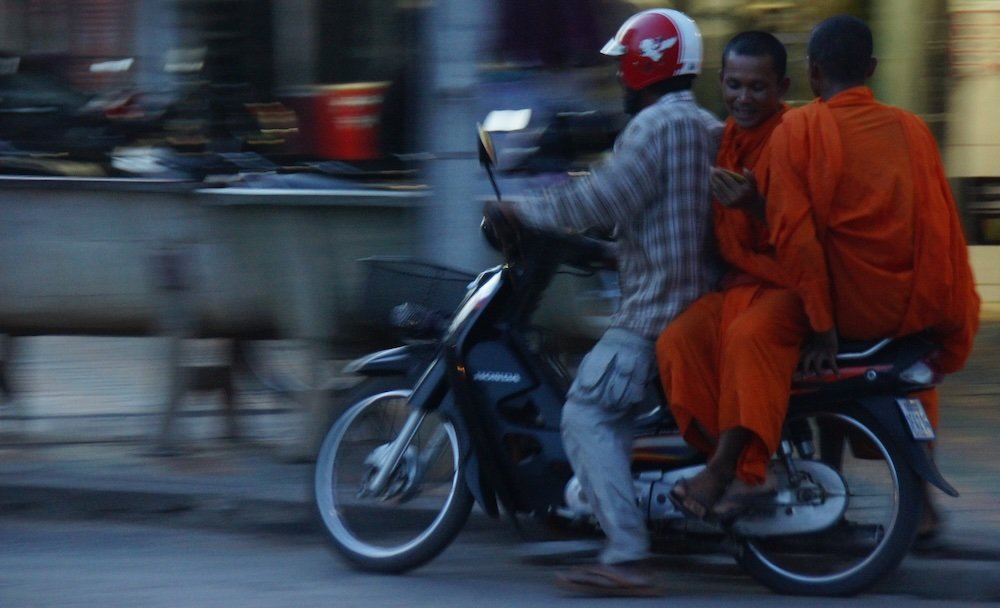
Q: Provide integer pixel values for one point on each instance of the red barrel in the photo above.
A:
(339, 121)
(351, 120)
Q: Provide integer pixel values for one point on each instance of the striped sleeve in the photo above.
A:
(612, 193)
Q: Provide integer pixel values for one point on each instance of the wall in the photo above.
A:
(81, 256)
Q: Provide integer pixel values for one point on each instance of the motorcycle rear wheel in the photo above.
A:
(423, 508)
(876, 530)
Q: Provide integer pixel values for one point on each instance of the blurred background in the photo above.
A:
(208, 207)
(120, 85)
(88, 77)
(249, 152)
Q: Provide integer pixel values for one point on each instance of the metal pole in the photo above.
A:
(454, 31)
(296, 42)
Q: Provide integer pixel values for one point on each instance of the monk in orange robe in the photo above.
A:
(726, 362)
(861, 214)
(862, 217)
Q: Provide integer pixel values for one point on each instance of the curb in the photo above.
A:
(197, 511)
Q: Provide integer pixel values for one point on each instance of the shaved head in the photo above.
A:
(842, 47)
(758, 44)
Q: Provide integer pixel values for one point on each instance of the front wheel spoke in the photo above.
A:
(387, 483)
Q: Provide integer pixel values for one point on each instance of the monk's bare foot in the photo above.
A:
(695, 496)
(740, 496)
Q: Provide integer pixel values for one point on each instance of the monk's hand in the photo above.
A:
(733, 189)
(819, 354)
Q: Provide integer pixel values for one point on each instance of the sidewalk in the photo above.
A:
(88, 412)
(78, 440)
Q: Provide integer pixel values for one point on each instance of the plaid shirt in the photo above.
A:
(653, 195)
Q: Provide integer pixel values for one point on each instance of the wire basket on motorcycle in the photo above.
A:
(394, 280)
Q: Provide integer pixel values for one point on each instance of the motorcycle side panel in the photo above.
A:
(521, 416)
(497, 374)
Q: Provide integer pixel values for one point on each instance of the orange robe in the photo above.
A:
(728, 359)
(864, 223)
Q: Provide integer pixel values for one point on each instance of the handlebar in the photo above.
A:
(501, 228)
(508, 235)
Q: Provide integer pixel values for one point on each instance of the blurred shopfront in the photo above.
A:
(937, 57)
(973, 150)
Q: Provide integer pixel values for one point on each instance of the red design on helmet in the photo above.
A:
(655, 45)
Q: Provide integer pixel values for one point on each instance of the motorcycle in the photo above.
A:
(471, 417)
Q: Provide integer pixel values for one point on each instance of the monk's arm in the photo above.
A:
(798, 250)
(738, 248)
(793, 231)
(758, 208)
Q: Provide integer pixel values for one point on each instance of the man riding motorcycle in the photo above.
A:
(653, 195)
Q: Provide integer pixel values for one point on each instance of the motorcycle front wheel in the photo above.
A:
(422, 505)
(876, 530)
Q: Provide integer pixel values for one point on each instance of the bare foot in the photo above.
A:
(696, 495)
(741, 496)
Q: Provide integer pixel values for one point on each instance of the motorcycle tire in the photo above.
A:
(876, 530)
(426, 502)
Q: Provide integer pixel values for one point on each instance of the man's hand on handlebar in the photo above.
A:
(501, 223)
(505, 232)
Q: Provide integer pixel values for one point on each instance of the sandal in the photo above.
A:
(695, 507)
(609, 580)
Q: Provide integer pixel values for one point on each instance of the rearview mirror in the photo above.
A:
(487, 153)
(488, 156)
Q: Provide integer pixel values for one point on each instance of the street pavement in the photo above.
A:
(77, 442)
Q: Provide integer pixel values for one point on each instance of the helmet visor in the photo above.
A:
(614, 48)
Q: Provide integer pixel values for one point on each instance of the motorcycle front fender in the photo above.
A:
(390, 362)
(916, 452)
(482, 490)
